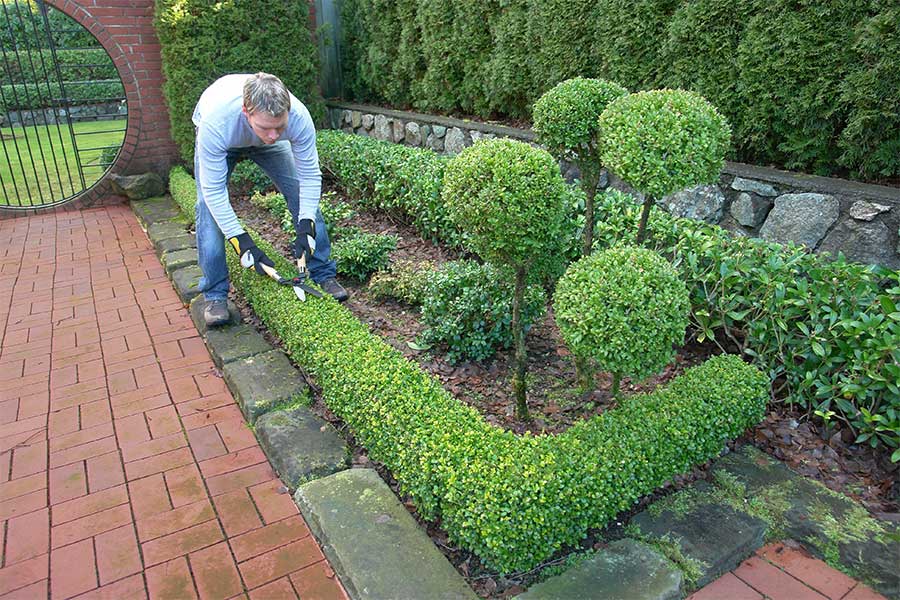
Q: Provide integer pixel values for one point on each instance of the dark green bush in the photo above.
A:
(512, 500)
(806, 85)
(360, 255)
(404, 182)
(467, 307)
(404, 280)
(201, 42)
(625, 308)
(46, 94)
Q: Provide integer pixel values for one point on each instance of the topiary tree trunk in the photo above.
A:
(645, 215)
(521, 356)
(590, 177)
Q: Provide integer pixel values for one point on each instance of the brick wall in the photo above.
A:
(125, 29)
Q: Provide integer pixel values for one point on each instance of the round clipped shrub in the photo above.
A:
(467, 306)
(506, 196)
(625, 308)
(663, 141)
(565, 117)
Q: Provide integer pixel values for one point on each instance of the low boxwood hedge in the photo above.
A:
(513, 500)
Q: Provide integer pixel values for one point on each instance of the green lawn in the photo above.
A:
(38, 165)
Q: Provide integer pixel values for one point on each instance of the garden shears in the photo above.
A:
(298, 283)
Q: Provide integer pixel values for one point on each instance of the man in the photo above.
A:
(255, 117)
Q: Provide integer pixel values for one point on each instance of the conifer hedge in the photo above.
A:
(807, 85)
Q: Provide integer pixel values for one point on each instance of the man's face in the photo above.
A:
(267, 127)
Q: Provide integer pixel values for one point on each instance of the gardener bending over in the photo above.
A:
(256, 117)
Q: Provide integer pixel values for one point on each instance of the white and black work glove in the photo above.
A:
(251, 256)
(305, 244)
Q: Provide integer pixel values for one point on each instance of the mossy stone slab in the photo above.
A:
(301, 445)
(716, 536)
(187, 282)
(830, 525)
(235, 342)
(178, 259)
(165, 230)
(624, 570)
(198, 304)
(264, 382)
(180, 242)
(154, 210)
(373, 543)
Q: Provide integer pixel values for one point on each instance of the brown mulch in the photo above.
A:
(787, 433)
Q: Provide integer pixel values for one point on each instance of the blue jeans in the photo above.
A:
(278, 163)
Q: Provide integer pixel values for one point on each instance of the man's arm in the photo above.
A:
(212, 178)
(306, 160)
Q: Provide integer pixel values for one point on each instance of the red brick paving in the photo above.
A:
(781, 572)
(126, 469)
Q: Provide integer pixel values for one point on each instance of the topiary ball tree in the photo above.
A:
(625, 308)
(566, 122)
(662, 142)
(507, 198)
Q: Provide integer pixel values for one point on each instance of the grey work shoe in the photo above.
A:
(216, 313)
(333, 288)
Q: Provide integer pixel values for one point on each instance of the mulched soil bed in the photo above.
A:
(786, 432)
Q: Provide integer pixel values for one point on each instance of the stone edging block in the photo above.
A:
(716, 536)
(178, 259)
(373, 543)
(187, 282)
(624, 569)
(262, 382)
(154, 210)
(300, 445)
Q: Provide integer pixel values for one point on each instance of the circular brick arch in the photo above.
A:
(125, 30)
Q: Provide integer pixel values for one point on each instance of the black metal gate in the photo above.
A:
(62, 107)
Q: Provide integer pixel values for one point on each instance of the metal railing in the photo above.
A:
(54, 144)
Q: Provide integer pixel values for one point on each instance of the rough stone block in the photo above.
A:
(373, 543)
(625, 570)
(235, 342)
(716, 536)
(154, 210)
(301, 445)
(262, 382)
(187, 282)
(138, 187)
(178, 259)
(751, 185)
(800, 218)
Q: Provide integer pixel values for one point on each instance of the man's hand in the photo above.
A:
(305, 244)
(250, 254)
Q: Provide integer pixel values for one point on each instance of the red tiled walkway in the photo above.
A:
(780, 572)
(126, 469)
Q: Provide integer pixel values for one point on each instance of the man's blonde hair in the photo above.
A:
(266, 93)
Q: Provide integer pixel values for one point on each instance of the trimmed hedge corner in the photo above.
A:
(512, 500)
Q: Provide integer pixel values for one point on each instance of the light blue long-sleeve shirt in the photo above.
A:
(221, 126)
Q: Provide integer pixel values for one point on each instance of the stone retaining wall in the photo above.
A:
(826, 214)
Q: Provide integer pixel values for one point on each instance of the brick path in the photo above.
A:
(126, 469)
(780, 572)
